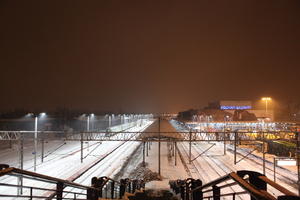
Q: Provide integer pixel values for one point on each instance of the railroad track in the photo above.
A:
(203, 173)
(208, 170)
(283, 175)
(92, 168)
(55, 158)
(97, 168)
(286, 178)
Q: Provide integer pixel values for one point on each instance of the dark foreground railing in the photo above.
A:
(30, 185)
(232, 185)
(109, 188)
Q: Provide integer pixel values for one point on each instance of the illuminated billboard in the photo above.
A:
(235, 105)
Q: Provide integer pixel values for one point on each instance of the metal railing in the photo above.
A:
(111, 189)
(232, 185)
(30, 185)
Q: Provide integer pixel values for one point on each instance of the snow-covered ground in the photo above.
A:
(214, 164)
(62, 160)
(168, 169)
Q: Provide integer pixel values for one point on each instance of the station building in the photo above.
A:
(241, 108)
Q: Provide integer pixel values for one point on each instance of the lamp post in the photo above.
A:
(266, 99)
(36, 135)
(88, 124)
(35, 140)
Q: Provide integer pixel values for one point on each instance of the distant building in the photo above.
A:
(237, 107)
(231, 105)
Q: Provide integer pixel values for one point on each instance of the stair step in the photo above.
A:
(153, 195)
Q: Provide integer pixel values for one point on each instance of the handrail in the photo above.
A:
(114, 188)
(253, 184)
(100, 187)
(42, 176)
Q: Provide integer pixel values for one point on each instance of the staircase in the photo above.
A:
(153, 195)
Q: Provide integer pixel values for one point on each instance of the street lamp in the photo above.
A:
(266, 99)
(36, 116)
(88, 122)
(226, 118)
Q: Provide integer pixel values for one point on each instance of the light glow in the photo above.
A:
(287, 162)
(266, 98)
(235, 107)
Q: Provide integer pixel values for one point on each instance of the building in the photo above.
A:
(241, 107)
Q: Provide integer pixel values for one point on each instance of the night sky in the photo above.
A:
(147, 56)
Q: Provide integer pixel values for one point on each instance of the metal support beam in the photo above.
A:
(175, 149)
(298, 159)
(42, 155)
(81, 148)
(274, 169)
(21, 161)
(224, 143)
(190, 147)
(59, 190)
(264, 155)
(147, 149)
(247, 155)
(235, 143)
(35, 142)
(165, 136)
(159, 146)
(203, 152)
(144, 164)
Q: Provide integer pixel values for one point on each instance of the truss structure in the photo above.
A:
(16, 135)
(181, 136)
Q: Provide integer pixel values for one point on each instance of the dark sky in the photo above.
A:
(147, 56)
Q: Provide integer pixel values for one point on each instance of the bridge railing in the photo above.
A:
(111, 189)
(31, 185)
(21, 184)
(244, 182)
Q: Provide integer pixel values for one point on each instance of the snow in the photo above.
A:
(65, 162)
(168, 169)
(214, 164)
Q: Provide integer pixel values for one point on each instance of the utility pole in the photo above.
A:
(235, 143)
(147, 148)
(42, 156)
(224, 143)
(159, 146)
(81, 147)
(190, 146)
(21, 160)
(35, 141)
(298, 159)
(144, 164)
(175, 153)
(264, 156)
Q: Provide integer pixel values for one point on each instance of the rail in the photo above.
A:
(111, 189)
(246, 182)
(39, 186)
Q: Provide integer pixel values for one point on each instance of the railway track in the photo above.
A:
(282, 175)
(56, 157)
(210, 172)
(104, 165)
(221, 167)
(254, 162)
